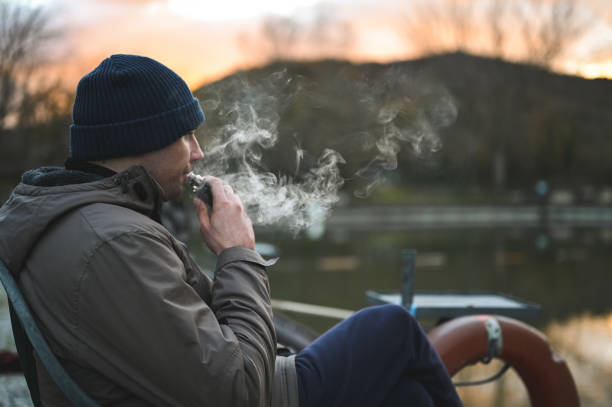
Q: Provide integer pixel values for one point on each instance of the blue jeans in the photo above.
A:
(379, 356)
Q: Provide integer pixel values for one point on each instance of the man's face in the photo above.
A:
(170, 165)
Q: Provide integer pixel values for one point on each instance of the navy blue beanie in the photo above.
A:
(130, 105)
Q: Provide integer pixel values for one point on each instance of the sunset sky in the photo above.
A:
(205, 40)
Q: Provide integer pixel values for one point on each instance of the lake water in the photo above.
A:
(566, 270)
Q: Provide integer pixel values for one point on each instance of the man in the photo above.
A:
(127, 312)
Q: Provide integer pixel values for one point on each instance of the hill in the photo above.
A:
(446, 120)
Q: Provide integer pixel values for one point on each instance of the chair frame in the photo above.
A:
(22, 318)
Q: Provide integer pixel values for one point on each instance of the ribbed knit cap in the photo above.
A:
(130, 105)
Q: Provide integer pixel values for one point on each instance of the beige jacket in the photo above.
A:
(131, 317)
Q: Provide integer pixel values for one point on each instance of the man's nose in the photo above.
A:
(196, 151)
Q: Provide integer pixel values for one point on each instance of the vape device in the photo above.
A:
(201, 189)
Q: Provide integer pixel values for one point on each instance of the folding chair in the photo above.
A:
(28, 338)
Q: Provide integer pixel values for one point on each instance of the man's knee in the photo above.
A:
(395, 321)
(394, 316)
(396, 311)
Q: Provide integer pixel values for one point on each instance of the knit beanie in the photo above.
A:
(130, 105)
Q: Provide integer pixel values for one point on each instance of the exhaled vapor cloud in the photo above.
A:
(396, 110)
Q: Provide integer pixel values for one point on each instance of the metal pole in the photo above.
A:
(408, 260)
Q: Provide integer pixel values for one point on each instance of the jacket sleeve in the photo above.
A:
(140, 323)
(241, 302)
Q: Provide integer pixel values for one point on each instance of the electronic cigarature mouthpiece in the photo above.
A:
(201, 189)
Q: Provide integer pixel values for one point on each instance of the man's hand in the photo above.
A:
(228, 225)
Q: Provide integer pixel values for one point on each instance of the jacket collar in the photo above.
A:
(138, 189)
(145, 191)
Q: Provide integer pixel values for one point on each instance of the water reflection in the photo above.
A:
(569, 277)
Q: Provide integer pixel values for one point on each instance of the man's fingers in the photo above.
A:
(217, 189)
(202, 211)
(228, 224)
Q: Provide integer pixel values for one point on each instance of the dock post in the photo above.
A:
(408, 261)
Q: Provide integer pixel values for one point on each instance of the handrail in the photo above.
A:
(70, 389)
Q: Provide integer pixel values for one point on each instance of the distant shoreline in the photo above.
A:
(453, 216)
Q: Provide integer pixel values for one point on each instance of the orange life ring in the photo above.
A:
(466, 340)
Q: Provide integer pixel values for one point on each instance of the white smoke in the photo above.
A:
(409, 111)
(249, 115)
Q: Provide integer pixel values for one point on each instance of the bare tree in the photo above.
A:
(326, 35)
(496, 13)
(422, 21)
(547, 28)
(460, 19)
(281, 35)
(440, 25)
(34, 104)
(550, 28)
(25, 36)
(274, 39)
(319, 34)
